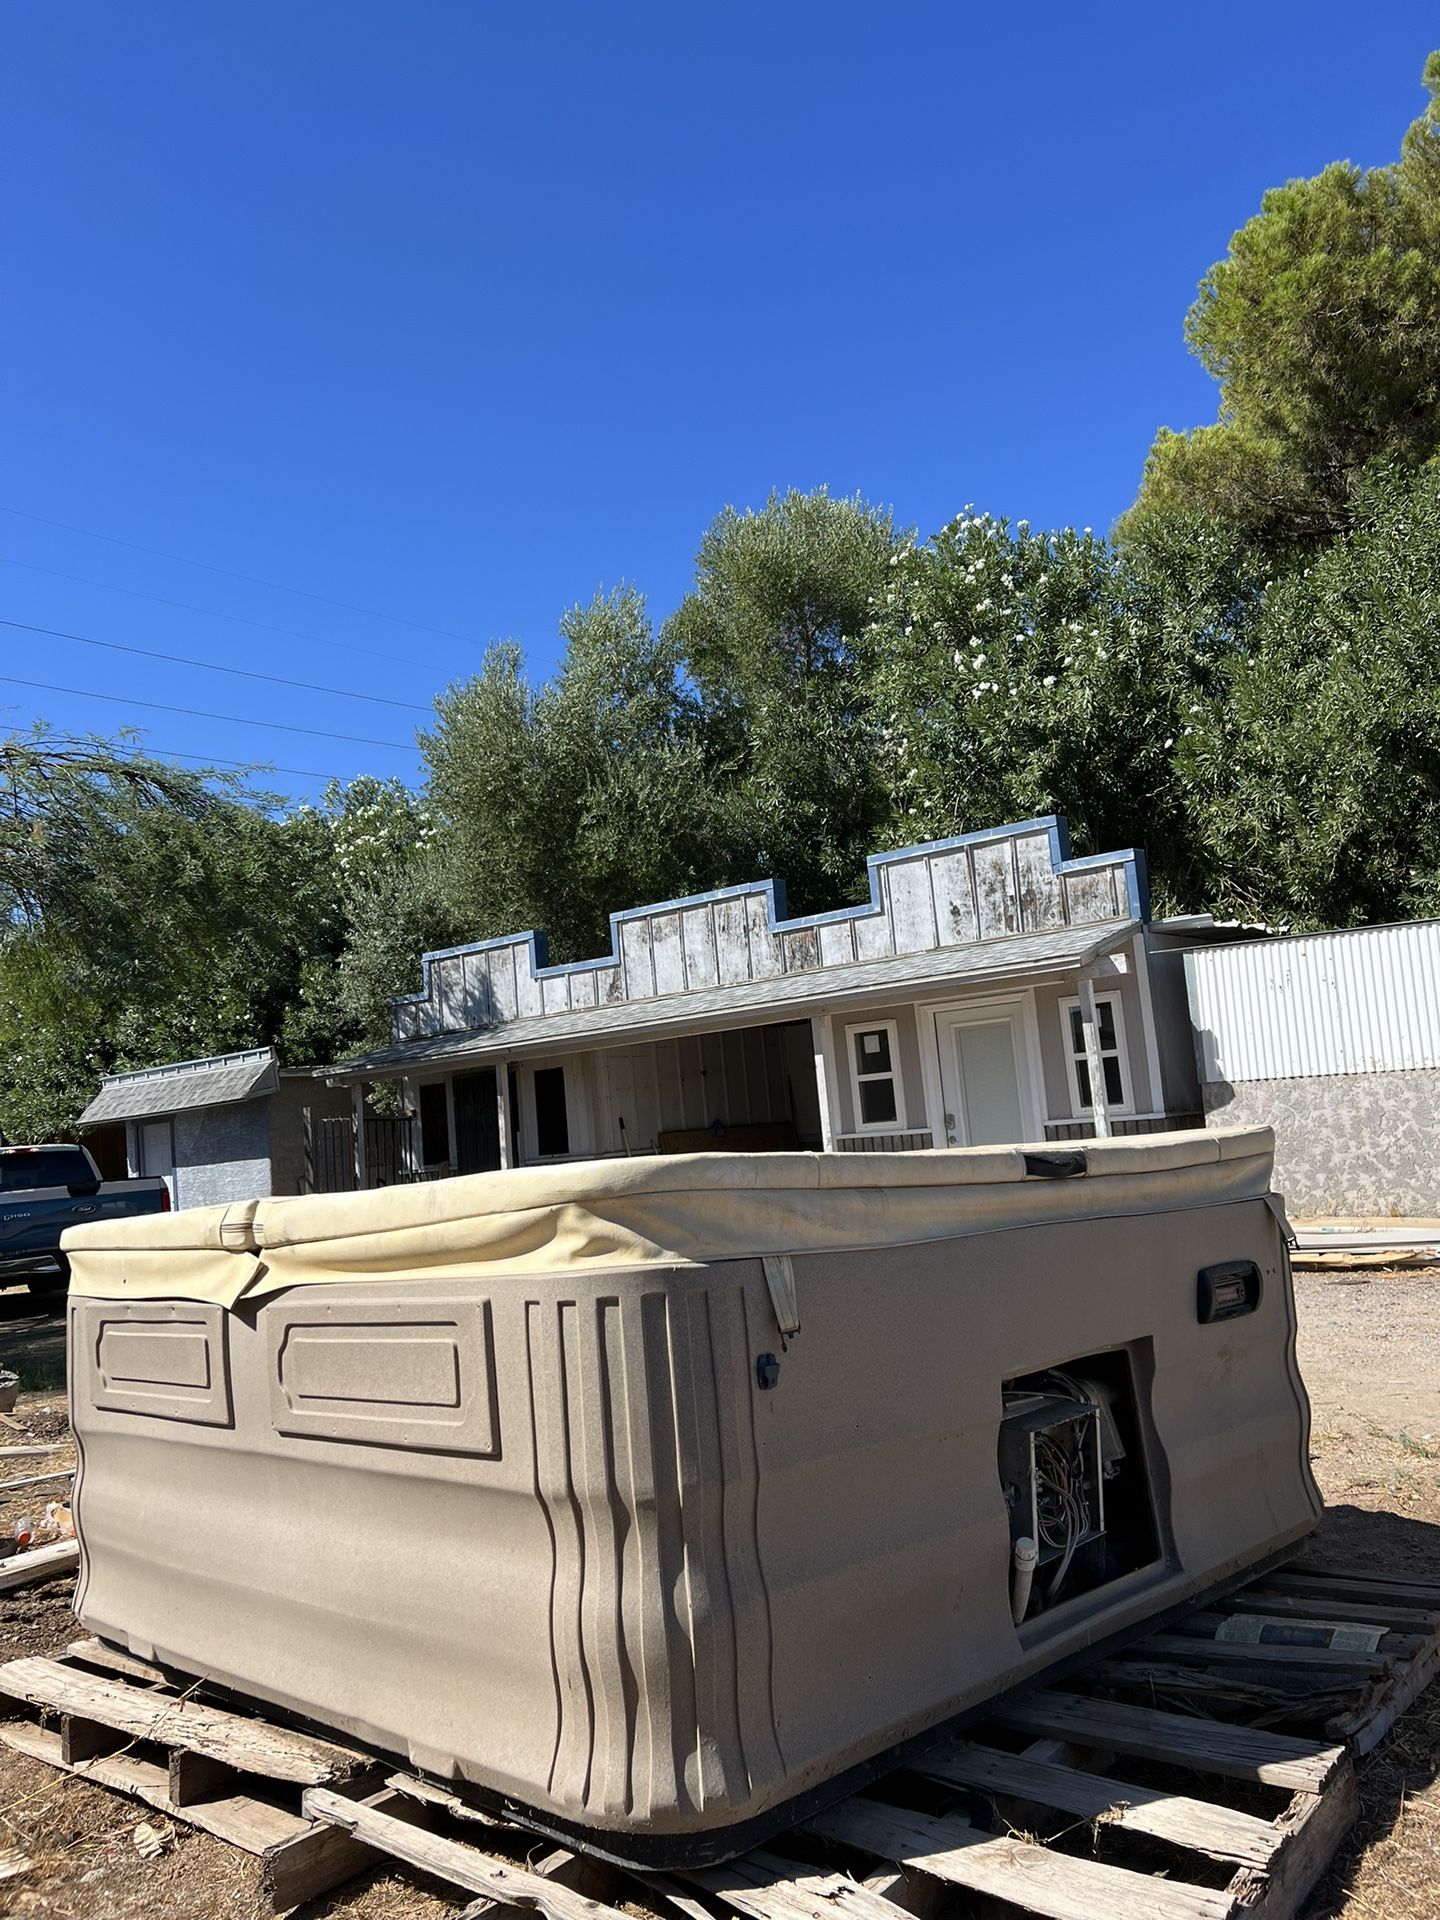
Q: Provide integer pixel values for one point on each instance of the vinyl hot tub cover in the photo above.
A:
(656, 1497)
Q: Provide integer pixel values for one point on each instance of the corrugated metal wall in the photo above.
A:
(1366, 1001)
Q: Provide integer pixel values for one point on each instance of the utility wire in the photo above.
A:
(251, 579)
(206, 613)
(201, 713)
(210, 666)
(219, 760)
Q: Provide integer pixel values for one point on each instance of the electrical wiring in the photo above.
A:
(201, 713)
(205, 613)
(211, 666)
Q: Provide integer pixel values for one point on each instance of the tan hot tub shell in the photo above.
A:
(481, 1471)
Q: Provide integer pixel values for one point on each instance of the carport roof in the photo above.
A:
(791, 996)
(222, 1081)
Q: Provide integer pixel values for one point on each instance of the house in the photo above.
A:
(234, 1127)
(992, 988)
(1333, 1039)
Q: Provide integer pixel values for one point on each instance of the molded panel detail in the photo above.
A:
(169, 1361)
(396, 1374)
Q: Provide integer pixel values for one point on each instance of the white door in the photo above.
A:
(157, 1152)
(984, 1076)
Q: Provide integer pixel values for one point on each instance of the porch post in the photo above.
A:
(1093, 1061)
(502, 1103)
(822, 1038)
(357, 1110)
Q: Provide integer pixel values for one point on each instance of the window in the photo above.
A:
(434, 1124)
(1110, 1031)
(875, 1077)
(552, 1122)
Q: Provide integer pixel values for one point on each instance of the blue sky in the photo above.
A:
(446, 314)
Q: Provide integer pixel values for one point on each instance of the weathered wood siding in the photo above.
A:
(983, 887)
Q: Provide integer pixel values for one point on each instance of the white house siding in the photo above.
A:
(1334, 1040)
(987, 887)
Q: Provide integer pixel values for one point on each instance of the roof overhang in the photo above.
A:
(221, 1081)
(791, 996)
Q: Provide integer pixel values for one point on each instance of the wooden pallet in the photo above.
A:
(115, 1720)
(1203, 1774)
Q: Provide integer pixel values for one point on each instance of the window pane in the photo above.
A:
(1114, 1085)
(1077, 1034)
(1082, 1075)
(877, 1102)
(552, 1125)
(1105, 1016)
(872, 1051)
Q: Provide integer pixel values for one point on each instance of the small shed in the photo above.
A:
(236, 1126)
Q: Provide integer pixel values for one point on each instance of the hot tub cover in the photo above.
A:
(688, 1209)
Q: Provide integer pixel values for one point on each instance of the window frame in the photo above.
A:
(1120, 1054)
(860, 1125)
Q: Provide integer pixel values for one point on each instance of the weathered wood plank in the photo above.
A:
(1311, 1831)
(195, 1776)
(299, 1858)
(1202, 1825)
(95, 1653)
(1148, 1733)
(763, 1885)
(1040, 1882)
(1364, 1725)
(1322, 1607)
(453, 1860)
(36, 1480)
(251, 1824)
(308, 1864)
(1343, 1585)
(1211, 1652)
(40, 1563)
(82, 1739)
(251, 1746)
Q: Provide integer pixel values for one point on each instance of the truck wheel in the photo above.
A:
(46, 1285)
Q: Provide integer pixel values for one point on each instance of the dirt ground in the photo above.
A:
(1370, 1351)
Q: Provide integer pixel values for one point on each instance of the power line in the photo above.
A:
(210, 666)
(251, 579)
(206, 613)
(219, 760)
(201, 713)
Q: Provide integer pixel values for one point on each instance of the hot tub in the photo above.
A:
(659, 1498)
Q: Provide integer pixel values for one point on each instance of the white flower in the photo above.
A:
(978, 661)
(1170, 740)
(1048, 681)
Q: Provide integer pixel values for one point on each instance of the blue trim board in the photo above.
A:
(1053, 825)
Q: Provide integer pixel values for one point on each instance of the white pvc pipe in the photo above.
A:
(1022, 1573)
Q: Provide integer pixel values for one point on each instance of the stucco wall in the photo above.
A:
(912, 1081)
(222, 1154)
(1361, 1143)
(1048, 1000)
(287, 1125)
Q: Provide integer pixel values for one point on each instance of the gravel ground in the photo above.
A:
(1370, 1351)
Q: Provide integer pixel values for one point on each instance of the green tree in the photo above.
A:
(771, 637)
(559, 805)
(1314, 774)
(151, 916)
(1017, 673)
(380, 849)
(1322, 327)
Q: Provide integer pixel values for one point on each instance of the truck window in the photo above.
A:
(22, 1168)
